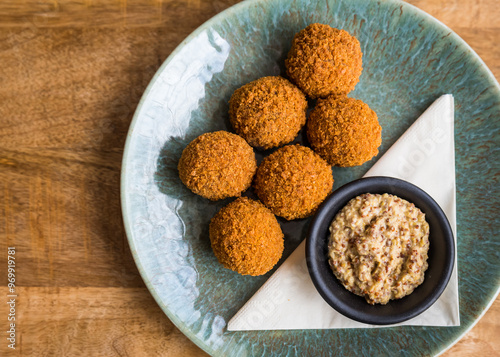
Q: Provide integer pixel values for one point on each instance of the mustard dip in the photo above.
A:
(378, 247)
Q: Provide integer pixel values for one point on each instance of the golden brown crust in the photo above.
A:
(344, 131)
(217, 165)
(293, 181)
(246, 237)
(324, 61)
(268, 112)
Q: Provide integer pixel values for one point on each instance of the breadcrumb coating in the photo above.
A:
(324, 61)
(246, 237)
(217, 165)
(268, 112)
(344, 131)
(293, 181)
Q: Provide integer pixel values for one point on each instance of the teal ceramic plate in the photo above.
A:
(409, 60)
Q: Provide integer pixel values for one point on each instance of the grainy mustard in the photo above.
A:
(378, 247)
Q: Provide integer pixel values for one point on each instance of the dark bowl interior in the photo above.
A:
(441, 254)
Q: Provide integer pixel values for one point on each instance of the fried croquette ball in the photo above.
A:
(324, 61)
(268, 112)
(217, 165)
(246, 237)
(293, 181)
(344, 131)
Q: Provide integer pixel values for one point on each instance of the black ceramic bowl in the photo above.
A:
(441, 254)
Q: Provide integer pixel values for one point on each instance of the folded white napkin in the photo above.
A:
(424, 156)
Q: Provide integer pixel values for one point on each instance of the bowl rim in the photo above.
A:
(346, 193)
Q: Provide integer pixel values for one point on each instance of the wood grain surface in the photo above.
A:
(71, 75)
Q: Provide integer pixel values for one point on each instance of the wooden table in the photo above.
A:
(71, 75)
